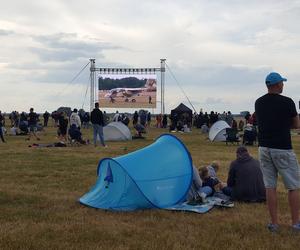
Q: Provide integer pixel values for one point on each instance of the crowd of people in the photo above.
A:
(248, 179)
(29, 124)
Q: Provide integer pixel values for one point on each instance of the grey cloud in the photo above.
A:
(235, 76)
(6, 32)
(61, 72)
(72, 41)
(61, 55)
(220, 75)
(209, 100)
(68, 47)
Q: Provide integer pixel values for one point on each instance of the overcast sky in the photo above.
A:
(219, 51)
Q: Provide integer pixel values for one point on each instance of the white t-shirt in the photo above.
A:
(75, 119)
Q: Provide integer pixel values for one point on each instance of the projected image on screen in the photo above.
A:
(127, 91)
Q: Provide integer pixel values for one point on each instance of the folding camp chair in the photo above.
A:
(249, 137)
(232, 136)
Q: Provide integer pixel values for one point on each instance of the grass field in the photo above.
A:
(39, 189)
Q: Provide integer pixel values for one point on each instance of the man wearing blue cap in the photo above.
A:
(276, 115)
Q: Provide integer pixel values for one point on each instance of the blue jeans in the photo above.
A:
(227, 191)
(206, 189)
(98, 130)
(1, 134)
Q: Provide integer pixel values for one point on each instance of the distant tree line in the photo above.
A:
(128, 82)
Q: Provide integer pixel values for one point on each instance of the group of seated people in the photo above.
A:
(23, 128)
(179, 126)
(249, 137)
(244, 182)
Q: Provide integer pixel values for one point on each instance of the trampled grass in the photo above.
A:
(39, 189)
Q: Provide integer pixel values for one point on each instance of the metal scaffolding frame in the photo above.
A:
(94, 85)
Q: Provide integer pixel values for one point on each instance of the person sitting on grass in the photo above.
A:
(76, 135)
(209, 181)
(139, 130)
(250, 135)
(245, 180)
(23, 126)
(179, 126)
(14, 130)
(204, 129)
(213, 168)
(198, 192)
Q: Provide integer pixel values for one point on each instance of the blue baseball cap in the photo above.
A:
(274, 78)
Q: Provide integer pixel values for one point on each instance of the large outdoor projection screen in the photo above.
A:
(127, 91)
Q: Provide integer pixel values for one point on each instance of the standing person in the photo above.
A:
(165, 121)
(46, 118)
(276, 115)
(75, 119)
(63, 126)
(241, 125)
(105, 118)
(234, 125)
(55, 116)
(135, 118)
(32, 124)
(148, 119)
(1, 127)
(143, 118)
(116, 117)
(98, 123)
(229, 118)
(158, 120)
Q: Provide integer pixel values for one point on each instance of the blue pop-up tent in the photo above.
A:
(157, 176)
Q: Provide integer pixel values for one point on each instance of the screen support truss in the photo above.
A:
(94, 85)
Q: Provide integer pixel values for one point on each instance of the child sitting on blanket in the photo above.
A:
(213, 169)
(197, 194)
(210, 181)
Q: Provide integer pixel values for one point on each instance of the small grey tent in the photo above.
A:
(217, 132)
(116, 131)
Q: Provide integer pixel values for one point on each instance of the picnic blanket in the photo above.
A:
(204, 207)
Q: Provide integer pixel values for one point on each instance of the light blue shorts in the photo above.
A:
(284, 162)
(32, 128)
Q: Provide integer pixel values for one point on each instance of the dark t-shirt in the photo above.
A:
(1, 120)
(32, 119)
(274, 114)
(63, 123)
(97, 117)
(210, 182)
